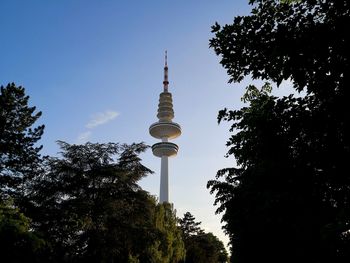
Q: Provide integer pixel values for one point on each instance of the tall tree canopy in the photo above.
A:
(201, 247)
(170, 245)
(88, 203)
(288, 200)
(19, 154)
(90, 208)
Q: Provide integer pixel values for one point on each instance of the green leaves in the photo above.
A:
(289, 191)
(189, 227)
(201, 247)
(253, 92)
(89, 205)
(89, 201)
(303, 41)
(169, 246)
(18, 242)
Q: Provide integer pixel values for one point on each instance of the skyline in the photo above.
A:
(95, 70)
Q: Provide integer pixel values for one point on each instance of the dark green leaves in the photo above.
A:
(19, 153)
(201, 247)
(289, 191)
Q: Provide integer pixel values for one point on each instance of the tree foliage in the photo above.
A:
(205, 248)
(17, 242)
(189, 226)
(288, 199)
(201, 247)
(89, 205)
(19, 154)
(169, 247)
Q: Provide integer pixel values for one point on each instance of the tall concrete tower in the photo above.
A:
(165, 129)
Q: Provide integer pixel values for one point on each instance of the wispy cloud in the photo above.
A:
(101, 118)
(84, 137)
(96, 119)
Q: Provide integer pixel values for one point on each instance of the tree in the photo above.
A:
(200, 246)
(269, 202)
(169, 247)
(17, 242)
(205, 248)
(89, 204)
(189, 226)
(19, 154)
(288, 198)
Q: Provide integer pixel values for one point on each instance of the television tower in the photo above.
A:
(165, 129)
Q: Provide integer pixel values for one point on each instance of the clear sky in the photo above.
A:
(95, 70)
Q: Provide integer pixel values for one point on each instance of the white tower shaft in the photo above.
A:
(164, 180)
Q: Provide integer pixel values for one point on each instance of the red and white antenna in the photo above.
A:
(166, 81)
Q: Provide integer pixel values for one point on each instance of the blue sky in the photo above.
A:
(95, 70)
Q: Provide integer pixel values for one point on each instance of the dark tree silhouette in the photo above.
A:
(200, 247)
(189, 227)
(288, 199)
(17, 242)
(90, 208)
(19, 154)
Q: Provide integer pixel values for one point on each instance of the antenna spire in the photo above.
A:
(166, 58)
(166, 82)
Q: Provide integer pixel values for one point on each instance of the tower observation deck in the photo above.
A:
(165, 129)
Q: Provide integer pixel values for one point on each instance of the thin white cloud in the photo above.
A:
(84, 137)
(101, 118)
